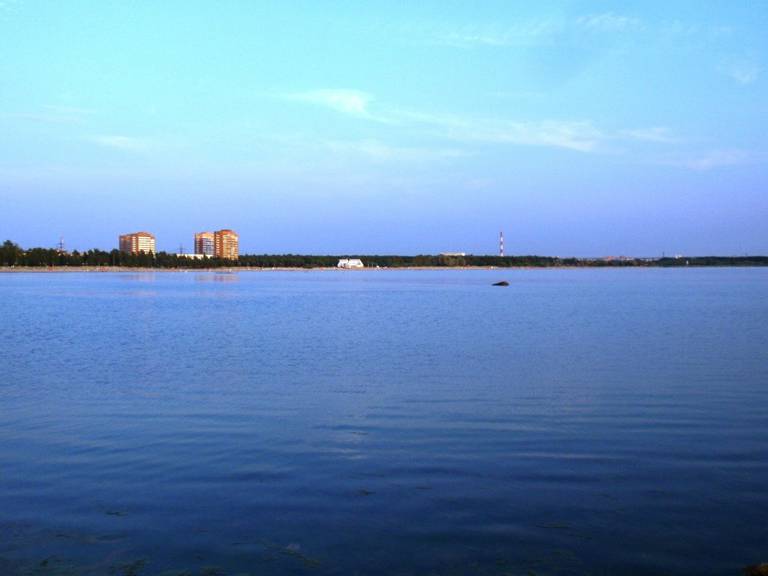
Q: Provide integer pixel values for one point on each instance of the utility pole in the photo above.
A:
(501, 244)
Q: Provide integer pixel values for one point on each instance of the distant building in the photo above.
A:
(192, 256)
(455, 254)
(619, 258)
(204, 243)
(137, 242)
(350, 263)
(225, 244)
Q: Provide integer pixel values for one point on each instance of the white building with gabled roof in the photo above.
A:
(348, 263)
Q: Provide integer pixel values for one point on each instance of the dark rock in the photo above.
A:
(502, 283)
(756, 570)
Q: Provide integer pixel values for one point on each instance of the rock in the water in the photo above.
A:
(502, 283)
(756, 570)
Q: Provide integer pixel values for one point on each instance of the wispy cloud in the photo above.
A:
(744, 71)
(573, 135)
(381, 152)
(607, 22)
(70, 111)
(352, 102)
(43, 117)
(524, 33)
(553, 30)
(681, 29)
(659, 134)
(581, 136)
(51, 114)
(127, 143)
(713, 159)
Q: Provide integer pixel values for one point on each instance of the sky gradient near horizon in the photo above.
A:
(578, 127)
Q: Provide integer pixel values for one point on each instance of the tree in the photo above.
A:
(10, 253)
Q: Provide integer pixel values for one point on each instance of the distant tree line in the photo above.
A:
(713, 261)
(12, 254)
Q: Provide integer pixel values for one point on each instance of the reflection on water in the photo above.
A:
(217, 277)
(576, 422)
(136, 276)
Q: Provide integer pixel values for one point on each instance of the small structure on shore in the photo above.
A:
(348, 263)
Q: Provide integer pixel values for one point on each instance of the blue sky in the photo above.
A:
(579, 128)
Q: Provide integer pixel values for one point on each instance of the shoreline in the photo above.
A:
(236, 269)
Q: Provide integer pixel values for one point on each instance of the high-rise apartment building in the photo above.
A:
(225, 244)
(204, 243)
(137, 242)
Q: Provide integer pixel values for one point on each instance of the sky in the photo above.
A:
(579, 128)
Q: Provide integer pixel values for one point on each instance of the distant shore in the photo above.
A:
(236, 269)
(13, 257)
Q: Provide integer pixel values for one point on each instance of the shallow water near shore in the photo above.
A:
(384, 422)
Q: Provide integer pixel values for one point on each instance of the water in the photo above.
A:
(384, 422)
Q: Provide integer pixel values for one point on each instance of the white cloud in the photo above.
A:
(578, 135)
(46, 118)
(717, 159)
(581, 136)
(127, 143)
(522, 33)
(352, 102)
(742, 71)
(525, 33)
(572, 135)
(555, 30)
(653, 134)
(685, 29)
(70, 111)
(51, 114)
(607, 22)
(381, 152)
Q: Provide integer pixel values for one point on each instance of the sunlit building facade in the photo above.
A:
(137, 242)
(225, 244)
(204, 243)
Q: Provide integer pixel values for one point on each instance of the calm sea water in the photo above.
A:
(383, 422)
